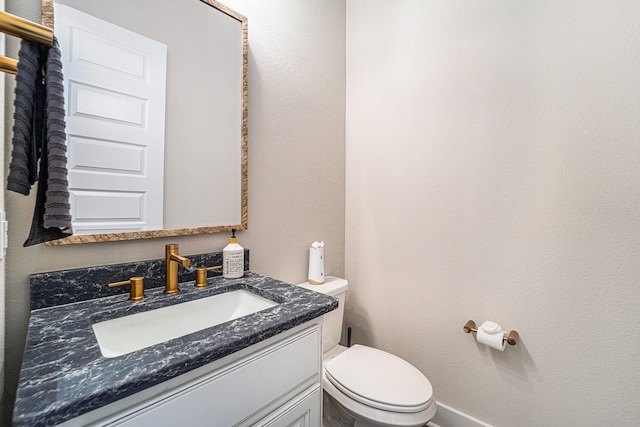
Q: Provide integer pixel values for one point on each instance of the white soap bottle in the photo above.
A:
(233, 258)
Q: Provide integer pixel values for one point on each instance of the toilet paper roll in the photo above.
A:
(491, 334)
(316, 263)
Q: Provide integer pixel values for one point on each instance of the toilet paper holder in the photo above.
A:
(511, 338)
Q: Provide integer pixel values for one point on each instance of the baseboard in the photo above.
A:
(449, 417)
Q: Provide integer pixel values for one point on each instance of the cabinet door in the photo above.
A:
(303, 411)
(230, 396)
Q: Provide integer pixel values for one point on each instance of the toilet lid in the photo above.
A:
(379, 379)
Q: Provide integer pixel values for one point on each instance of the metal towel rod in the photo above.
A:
(25, 29)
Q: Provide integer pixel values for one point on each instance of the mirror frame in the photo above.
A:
(47, 20)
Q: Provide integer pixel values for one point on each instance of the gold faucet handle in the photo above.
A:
(136, 292)
(201, 275)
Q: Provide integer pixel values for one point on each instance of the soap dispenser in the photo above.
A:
(233, 258)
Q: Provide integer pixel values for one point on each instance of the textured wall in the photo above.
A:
(493, 172)
(296, 161)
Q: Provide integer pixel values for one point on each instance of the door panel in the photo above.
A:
(115, 83)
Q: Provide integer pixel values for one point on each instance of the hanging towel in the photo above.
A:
(39, 132)
(57, 210)
(27, 141)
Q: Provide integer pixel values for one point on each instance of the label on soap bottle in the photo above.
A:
(233, 264)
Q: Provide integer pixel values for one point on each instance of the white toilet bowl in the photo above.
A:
(364, 386)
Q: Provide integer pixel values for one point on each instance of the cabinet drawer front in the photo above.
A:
(228, 396)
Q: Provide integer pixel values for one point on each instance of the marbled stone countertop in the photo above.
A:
(64, 374)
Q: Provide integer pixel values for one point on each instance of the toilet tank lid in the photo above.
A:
(332, 286)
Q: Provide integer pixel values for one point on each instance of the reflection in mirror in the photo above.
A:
(204, 187)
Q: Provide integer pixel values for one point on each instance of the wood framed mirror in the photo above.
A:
(205, 167)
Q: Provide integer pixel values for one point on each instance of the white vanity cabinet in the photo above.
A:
(273, 383)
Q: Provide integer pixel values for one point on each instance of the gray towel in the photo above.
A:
(57, 210)
(27, 141)
(39, 132)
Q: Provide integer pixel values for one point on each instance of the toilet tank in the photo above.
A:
(332, 321)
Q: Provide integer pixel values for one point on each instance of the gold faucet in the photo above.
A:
(172, 260)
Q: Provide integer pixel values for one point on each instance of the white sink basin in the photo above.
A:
(137, 331)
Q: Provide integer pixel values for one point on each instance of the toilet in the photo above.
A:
(364, 386)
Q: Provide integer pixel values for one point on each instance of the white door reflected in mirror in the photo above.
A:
(115, 95)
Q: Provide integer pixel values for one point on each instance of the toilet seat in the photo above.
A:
(379, 380)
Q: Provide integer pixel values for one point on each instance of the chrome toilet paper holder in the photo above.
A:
(511, 338)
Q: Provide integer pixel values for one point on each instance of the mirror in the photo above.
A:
(205, 151)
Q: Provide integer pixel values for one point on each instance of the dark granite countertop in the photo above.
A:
(64, 374)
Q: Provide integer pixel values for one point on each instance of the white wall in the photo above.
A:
(493, 172)
(296, 162)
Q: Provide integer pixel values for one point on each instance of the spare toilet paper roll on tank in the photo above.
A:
(492, 335)
(316, 263)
